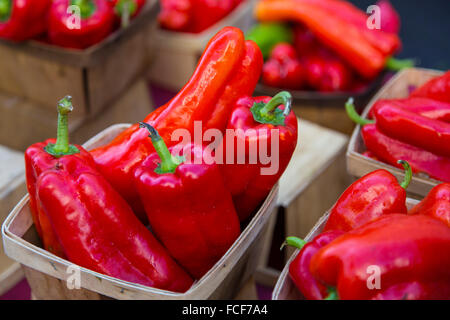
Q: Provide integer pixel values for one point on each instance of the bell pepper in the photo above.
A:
(187, 204)
(96, 23)
(23, 19)
(175, 14)
(404, 125)
(267, 35)
(368, 198)
(305, 41)
(228, 69)
(261, 120)
(436, 204)
(283, 69)
(407, 253)
(437, 88)
(82, 217)
(343, 37)
(126, 10)
(425, 107)
(299, 267)
(389, 150)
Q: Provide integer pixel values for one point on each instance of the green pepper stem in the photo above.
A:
(399, 64)
(5, 9)
(332, 294)
(62, 146)
(87, 7)
(408, 173)
(168, 163)
(280, 98)
(352, 114)
(294, 242)
(125, 17)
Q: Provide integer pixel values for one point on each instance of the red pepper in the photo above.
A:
(437, 88)
(127, 9)
(299, 267)
(404, 125)
(368, 198)
(343, 37)
(390, 19)
(95, 23)
(389, 150)
(257, 119)
(426, 107)
(436, 204)
(304, 40)
(408, 253)
(23, 19)
(187, 205)
(208, 96)
(283, 69)
(82, 217)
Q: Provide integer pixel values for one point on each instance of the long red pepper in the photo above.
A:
(95, 23)
(343, 37)
(389, 150)
(426, 107)
(437, 88)
(407, 254)
(23, 19)
(299, 267)
(368, 198)
(404, 125)
(187, 205)
(257, 123)
(208, 96)
(81, 217)
(436, 204)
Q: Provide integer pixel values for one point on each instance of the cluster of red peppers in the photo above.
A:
(193, 16)
(369, 232)
(67, 23)
(416, 129)
(330, 47)
(92, 207)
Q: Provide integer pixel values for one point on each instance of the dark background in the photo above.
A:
(425, 30)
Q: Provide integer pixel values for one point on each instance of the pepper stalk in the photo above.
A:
(5, 9)
(62, 146)
(269, 113)
(87, 7)
(169, 163)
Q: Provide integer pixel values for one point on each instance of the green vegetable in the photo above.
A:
(267, 35)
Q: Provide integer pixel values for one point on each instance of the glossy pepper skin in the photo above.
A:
(389, 150)
(404, 125)
(96, 23)
(229, 69)
(187, 205)
(343, 37)
(437, 88)
(22, 19)
(436, 204)
(260, 119)
(426, 107)
(299, 267)
(81, 217)
(408, 250)
(368, 198)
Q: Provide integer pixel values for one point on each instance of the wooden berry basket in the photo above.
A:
(285, 288)
(175, 54)
(46, 273)
(398, 87)
(95, 77)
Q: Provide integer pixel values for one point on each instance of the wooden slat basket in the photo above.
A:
(398, 87)
(44, 73)
(285, 288)
(175, 54)
(223, 281)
